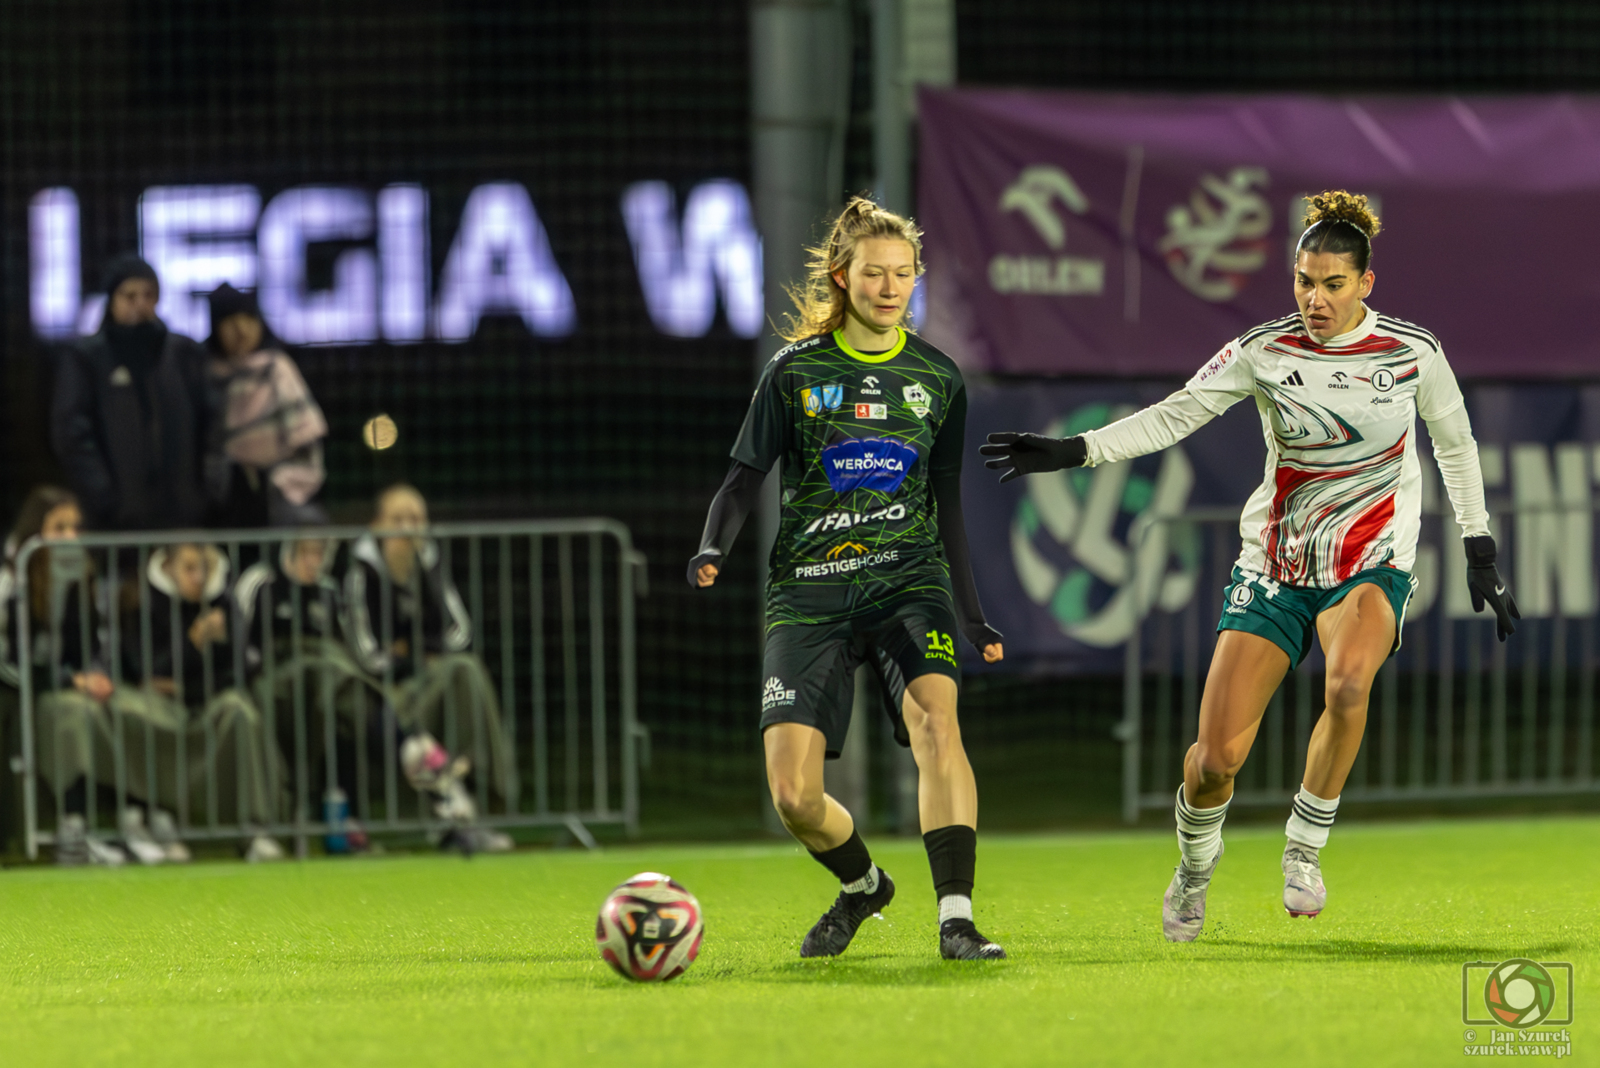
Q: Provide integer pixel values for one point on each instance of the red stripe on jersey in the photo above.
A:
(1288, 479)
(1367, 527)
(1362, 533)
(1367, 346)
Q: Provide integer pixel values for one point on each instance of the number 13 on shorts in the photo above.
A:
(941, 647)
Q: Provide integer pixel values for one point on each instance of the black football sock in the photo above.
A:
(953, 857)
(851, 864)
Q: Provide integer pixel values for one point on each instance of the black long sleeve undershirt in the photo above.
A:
(944, 479)
(741, 490)
(953, 533)
(729, 509)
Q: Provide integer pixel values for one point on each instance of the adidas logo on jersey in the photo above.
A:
(1294, 380)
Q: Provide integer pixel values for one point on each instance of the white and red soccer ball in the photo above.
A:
(649, 928)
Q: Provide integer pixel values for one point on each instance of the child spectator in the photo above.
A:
(419, 646)
(310, 659)
(76, 705)
(271, 429)
(189, 684)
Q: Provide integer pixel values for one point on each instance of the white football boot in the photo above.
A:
(1183, 909)
(136, 838)
(165, 831)
(1303, 891)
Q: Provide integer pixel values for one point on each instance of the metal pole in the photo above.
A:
(541, 733)
(913, 43)
(628, 565)
(597, 679)
(1128, 729)
(30, 803)
(800, 63)
(891, 127)
(508, 676)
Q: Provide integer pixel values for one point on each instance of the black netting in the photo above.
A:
(1365, 46)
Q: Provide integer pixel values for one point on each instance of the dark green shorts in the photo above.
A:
(1287, 615)
(810, 668)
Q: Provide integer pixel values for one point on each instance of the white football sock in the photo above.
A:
(1311, 819)
(867, 884)
(955, 907)
(1199, 832)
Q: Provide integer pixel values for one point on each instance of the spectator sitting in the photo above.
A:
(77, 706)
(128, 418)
(436, 687)
(270, 428)
(191, 687)
(279, 655)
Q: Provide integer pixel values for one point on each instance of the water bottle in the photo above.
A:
(336, 814)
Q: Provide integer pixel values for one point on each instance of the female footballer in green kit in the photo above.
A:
(869, 567)
(1329, 537)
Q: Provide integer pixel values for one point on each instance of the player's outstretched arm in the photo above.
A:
(729, 509)
(1151, 430)
(1015, 455)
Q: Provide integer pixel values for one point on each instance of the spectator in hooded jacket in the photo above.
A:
(270, 427)
(82, 717)
(128, 417)
(407, 627)
(189, 685)
(68, 680)
(290, 611)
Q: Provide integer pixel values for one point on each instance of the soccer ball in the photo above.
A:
(649, 928)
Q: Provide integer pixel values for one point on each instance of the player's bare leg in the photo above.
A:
(795, 758)
(1246, 670)
(1357, 635)
(946, 791)
(947, 804)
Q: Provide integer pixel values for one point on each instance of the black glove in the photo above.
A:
(1484, 580)
(981, 635)
(1031, 454)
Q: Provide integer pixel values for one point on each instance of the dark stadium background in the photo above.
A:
(576, 101)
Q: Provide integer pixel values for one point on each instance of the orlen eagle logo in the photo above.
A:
(867, 463)
(1035, 194)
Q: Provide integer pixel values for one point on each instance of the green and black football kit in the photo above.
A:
(870, 563)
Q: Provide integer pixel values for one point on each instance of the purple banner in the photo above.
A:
(1099, 234)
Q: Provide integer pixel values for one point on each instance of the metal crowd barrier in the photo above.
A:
(1454, 714)
(551, 604)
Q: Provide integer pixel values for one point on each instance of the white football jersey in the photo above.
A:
(1342, 490)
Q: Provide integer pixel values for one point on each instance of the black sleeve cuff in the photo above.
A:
(981, 635)
(1481, 550)
(701, 561)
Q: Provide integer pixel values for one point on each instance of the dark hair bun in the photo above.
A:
(1336, 205)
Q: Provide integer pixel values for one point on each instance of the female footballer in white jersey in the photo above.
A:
(1329, 538)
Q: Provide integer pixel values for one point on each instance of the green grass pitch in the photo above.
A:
(439, 961)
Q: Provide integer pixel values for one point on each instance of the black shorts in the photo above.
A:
(810, 668)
